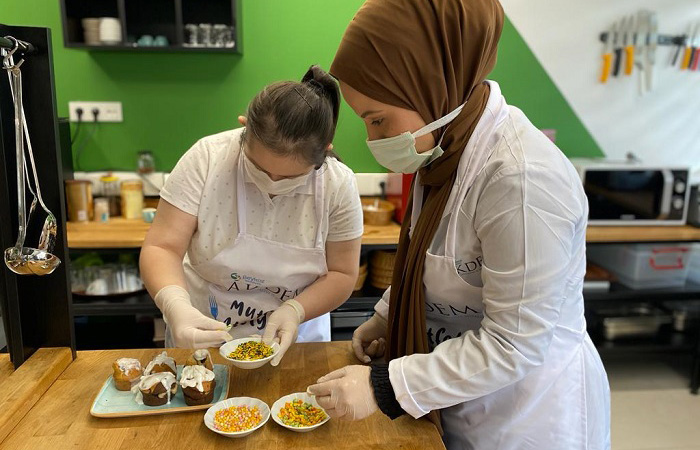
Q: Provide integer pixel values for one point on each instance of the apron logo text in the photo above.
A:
(450, 310)
(279, 293)
(247, 316)
(248, 279)
(439, 337)
(464, 268)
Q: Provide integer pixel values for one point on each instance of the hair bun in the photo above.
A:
(315, 84)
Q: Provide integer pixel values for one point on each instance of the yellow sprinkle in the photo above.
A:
(301, 414)
(251, 351)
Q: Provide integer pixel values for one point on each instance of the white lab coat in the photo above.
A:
(512, 366)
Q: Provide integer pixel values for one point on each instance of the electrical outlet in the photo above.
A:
(368, 183)
(108, 111)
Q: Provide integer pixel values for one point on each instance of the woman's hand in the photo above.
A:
(189, 327)
(282, 326)
(369, 339)
(346, 393)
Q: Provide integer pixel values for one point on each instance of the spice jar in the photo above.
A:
(79, 200)
(110, 189)
(132, 199)
(101, 210)
(146, 163)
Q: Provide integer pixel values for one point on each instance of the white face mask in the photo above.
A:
(399, 154)
(267, 185)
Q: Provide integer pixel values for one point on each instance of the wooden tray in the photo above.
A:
(110, 402)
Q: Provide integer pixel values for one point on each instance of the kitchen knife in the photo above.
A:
(607, 54)
(685, 62)
(617, 48)
(628, 42)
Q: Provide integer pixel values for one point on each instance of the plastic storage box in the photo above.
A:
(694, 269)
(644, 266)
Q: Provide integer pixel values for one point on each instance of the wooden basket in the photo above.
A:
(382, 259)
(377, 212)
(361, 277)
(381, 268)
(380, 281)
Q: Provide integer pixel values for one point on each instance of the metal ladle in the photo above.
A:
(26, 260)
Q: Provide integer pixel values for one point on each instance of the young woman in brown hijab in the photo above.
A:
(483, 326)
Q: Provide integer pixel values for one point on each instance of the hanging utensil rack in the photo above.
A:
(36, 311)
(24, 47)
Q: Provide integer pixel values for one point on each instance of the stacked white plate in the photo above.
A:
(91, 30)
(110, 31)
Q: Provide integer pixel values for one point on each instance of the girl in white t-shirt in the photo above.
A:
(258, 229)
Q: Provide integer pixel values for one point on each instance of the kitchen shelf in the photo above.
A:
(153, 17)
(168, 49)
(666, 340)
(127, 235)
(619, 292)
(122, 233)
(128, 305)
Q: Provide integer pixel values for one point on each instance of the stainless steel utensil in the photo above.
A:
(47, 240)
(25, 260)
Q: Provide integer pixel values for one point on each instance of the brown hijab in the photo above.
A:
(428, 56)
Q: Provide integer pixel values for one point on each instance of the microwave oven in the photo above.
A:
(632, 193)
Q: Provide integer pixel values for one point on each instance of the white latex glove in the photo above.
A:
(346, 393)
(368, 340)
(189, 327)
(282, 327)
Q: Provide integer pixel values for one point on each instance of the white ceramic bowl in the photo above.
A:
(236, 401)
(303, 396)
(229, 347)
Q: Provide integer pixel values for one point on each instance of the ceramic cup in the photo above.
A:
(145, 41)
(160, 41)
(91, 30)
(148, 214)
(110, 30)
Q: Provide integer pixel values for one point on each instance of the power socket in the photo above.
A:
(108, 111)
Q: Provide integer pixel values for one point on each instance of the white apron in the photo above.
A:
(546, 409)
(253, 276)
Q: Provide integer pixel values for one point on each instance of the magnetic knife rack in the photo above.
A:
(661, 39)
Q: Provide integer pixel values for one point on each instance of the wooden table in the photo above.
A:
(61, 418)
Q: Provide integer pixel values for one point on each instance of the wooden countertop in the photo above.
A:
(130, 233)
(640, 234)
(21, 389)
(6, 366)
(61, 419)
(117, 233)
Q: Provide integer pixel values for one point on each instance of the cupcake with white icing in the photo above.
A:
(156, 389)
(127, 372)
(198, 385)
(200, 357)
(161, 363)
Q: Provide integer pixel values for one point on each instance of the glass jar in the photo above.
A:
(132, 199)
(101, 209)
(146, 162)
(79, 200)
(110, 189)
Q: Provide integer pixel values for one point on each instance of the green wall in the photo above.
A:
(170, 100)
